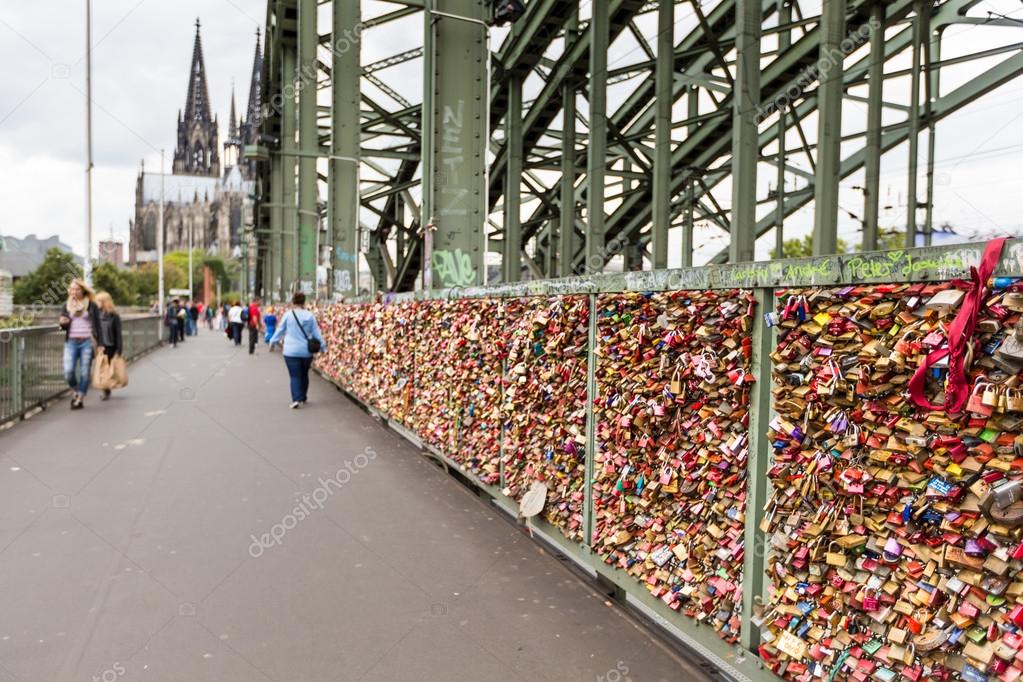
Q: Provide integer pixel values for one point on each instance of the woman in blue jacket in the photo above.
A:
(302, 339)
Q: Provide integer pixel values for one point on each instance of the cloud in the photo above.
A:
(142, 52)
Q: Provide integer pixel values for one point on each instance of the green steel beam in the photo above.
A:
(872, 148)
(829, 128)
(511, 253)
(662, 156)
(599, 31)
(566, 232)
(308, 137)
(921, 10)
(757, 480)
(932, 85)
(289, 128)
(745, 148)
(343, 205)
(275, 282)
(455, 121)
(893, 136)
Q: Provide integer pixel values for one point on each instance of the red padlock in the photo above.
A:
(870, 602)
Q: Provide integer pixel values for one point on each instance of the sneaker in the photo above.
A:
(295, 405)
(77, 404)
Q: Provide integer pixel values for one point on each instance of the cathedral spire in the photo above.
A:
(232, 129)
(249, 128)
(197, 103)
(252, 112)
(197, 151)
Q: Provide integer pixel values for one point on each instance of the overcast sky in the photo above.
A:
(141, 59)
(143, 49)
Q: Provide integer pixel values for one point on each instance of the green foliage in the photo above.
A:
(802, 247)
(120, 284)
(47, 284)
(147, 280)
(224, 271)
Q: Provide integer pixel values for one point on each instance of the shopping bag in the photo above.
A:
(102, 373)
(119, 370)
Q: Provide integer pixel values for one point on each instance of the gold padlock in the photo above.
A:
(990, 397)
(1014, 400)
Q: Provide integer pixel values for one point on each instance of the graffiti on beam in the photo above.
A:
(911, 265)
(454, 268)
(342, 280)
(452, 162)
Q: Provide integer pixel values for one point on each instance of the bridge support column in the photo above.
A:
(289, 127)
(595, 166)
(308, 217)
(512, 259)
(343, 206)
(745, 146)
(456, 59)
(829, 129)
(566, 223)
(662, 154)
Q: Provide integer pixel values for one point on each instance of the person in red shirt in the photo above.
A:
(254, 323)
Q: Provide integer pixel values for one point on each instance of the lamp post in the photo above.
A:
(159, 242)
(87, 270)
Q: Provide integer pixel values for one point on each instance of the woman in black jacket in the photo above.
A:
(108, 335)
(79, 318)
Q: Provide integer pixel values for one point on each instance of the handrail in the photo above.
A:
(31, 362)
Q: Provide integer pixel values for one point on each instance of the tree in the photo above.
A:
(48, 283)
(224, 271)
(120, 284)
(147, 280)
(802, 247)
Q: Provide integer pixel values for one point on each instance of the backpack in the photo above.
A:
(245, 314)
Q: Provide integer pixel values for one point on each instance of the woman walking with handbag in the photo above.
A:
(79, 318)
(111, 364)
(302, 340)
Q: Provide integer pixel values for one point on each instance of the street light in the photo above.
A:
(87, 270)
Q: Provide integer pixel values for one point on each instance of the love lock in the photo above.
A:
(909, 494)
(677, 356)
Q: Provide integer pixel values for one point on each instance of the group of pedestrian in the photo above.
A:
(296, 329)
(90, 322)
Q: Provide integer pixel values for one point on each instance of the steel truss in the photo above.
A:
(468, 139)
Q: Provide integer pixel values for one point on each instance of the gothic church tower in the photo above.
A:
(198, 150)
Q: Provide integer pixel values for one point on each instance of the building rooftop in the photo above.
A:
(20, 256)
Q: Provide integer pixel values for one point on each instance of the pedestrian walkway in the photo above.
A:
(194, 528)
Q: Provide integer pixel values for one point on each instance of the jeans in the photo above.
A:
(253, 335)
(190, 329)
(172, 330)
(78, 352)
(298, 370)
(236, 333)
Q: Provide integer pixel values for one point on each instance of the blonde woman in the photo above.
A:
(79, 318)
(108, 334)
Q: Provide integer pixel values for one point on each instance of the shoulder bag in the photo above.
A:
(312, 344)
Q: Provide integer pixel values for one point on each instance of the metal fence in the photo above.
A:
(741, 660)
(32, 362)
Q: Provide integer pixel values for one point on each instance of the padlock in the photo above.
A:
(870, 600)
(990, 395)
(977, 402)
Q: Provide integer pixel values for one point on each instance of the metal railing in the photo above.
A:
(32, 362)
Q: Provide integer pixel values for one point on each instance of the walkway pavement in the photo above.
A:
(127, 547)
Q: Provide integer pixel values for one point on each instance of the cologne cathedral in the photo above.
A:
(207, 197)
